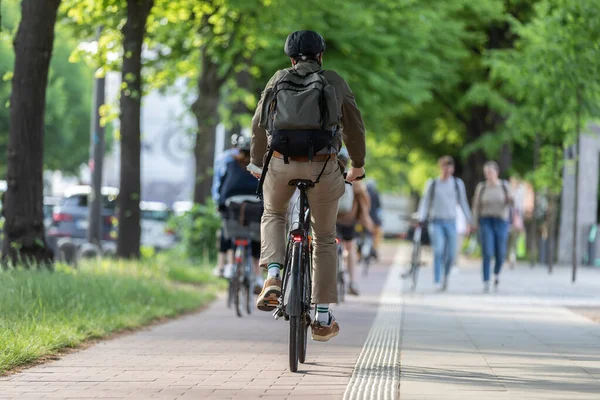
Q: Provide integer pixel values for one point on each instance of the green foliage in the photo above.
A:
(552, 73)
(68, 98)
(43, 312)
(198, 229)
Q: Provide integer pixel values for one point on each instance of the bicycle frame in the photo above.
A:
(299, 234)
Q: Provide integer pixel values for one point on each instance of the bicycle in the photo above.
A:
(365, 251)
(242, 225)
(415, 259)
(295, 303)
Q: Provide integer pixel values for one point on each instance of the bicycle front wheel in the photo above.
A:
(294, 305)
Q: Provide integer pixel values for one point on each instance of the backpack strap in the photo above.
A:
(259, 191)
(457, 190)
(505, 189)
(431, 195)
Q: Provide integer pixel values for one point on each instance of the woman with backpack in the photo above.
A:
(491, 208)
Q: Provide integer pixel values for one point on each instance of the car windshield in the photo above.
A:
(81, 200)
(155, 215)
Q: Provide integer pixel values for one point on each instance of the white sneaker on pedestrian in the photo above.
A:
(486, 287)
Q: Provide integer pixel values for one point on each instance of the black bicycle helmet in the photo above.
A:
(304, 43)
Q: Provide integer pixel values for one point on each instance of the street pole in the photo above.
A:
(95, 224)
(576, 194)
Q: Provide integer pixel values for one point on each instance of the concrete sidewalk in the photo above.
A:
(518, 343)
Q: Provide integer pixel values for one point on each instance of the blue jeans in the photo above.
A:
(494, 239)
(443, 240)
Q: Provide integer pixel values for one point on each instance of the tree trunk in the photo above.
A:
(206, 110)
(128, 242)
(24, 233)
(505, 160)
(243, 80)
(473, 171)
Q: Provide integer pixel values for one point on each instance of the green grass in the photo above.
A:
(42, 312)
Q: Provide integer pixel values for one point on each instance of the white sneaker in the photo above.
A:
(228, 271)
(486, 287)
(217, 272)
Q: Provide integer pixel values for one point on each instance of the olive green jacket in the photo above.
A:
(353, 128)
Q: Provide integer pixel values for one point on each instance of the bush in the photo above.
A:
(198, 229)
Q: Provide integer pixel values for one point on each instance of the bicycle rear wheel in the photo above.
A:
(249, 285)
(236, 289)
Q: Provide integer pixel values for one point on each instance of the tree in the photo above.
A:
(128, 242)
(466, 107)
(554, 74)
(24, 236)
(67, 98)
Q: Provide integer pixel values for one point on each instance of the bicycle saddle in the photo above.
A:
(301, 182)
(241, 199)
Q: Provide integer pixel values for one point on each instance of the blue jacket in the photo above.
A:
(235, 181)
(220, 164)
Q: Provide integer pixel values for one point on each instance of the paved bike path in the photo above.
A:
(211, 355)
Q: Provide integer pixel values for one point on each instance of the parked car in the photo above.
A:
(181, 207)
(70, 216)
(155, 233)
(49, 204)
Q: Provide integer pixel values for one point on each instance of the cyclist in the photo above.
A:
(235, 180)
(356, 210)
(305, 50)
(225, 250)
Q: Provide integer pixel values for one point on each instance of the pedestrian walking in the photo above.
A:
(491, 208)
(437, 209)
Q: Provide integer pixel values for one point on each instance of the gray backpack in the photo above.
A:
(300, 114)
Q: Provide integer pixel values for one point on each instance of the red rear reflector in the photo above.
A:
(297, 239)
(241, 242)
(62, 217)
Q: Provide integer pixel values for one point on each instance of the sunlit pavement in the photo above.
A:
(518, 343)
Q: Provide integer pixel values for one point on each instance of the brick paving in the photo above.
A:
(209, 355)
(519, 343)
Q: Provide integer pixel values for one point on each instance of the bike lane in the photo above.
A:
(212, 355)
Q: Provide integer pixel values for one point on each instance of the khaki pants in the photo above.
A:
(323, 200)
